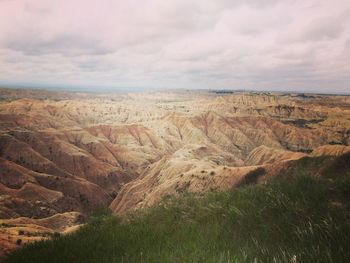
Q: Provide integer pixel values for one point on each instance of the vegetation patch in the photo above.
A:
(302, 123)
(252, 177)
(296, 217)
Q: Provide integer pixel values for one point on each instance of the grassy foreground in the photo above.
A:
(293, 218)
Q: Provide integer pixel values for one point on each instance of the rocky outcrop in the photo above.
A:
(332, 150)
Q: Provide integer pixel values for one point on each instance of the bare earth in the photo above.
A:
(62, 155)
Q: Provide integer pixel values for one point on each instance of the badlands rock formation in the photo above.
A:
(62, 155)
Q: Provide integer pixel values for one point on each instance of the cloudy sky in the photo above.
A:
(219, 44)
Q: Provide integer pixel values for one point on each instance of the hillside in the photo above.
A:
(63, 155)
(302, 215)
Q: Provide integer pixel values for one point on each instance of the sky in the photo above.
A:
(287, 45)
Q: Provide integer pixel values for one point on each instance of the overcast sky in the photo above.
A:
(230, 44)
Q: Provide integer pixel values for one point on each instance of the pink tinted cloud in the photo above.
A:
(194, 44)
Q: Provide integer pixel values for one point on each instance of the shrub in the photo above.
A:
(56, 234)
(253, 176)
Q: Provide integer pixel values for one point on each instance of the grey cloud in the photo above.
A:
(66, 45)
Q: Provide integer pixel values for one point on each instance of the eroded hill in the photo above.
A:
(73, 153)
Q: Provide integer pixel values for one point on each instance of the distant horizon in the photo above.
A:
(100, 89)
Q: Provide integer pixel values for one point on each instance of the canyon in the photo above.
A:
(65, 154)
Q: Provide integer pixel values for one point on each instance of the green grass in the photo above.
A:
(293, 218)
